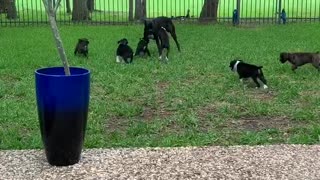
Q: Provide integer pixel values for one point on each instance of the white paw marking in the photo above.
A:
(265, 86)
(118, 59)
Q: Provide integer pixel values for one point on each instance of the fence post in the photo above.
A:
(238, 11)
(279, 12)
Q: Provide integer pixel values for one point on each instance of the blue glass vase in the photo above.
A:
(62, 103)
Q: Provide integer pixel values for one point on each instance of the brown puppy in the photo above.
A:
(301, 58)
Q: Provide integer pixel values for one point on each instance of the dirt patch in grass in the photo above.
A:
(117, 124)
(313, 93)
(261, 123)
(160, 109)
(262, 95)
(149, 114)
(255, 94)
(121, 124)
(204, 113)
(10, 78)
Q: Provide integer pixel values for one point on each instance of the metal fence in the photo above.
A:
(32, 12)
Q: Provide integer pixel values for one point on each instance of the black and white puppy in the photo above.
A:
(164, 43)
(246, 70)
(82, 47)
(124, 52)
(142, 48)
(301, 58)
(151, 30)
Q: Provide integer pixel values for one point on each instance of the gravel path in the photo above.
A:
(235, 162)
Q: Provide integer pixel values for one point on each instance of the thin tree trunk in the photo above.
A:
(144, 8)
(68, 6)
(90, 5)
(80, 10)
(3, 6)
(59, 44)
(51, 12)
(209, 11)
(11, 9)
(141, 10)
(130, 10)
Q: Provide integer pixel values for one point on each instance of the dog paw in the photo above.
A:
(265, 86)
(118, 59)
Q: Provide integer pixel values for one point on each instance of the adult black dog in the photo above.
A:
(82, 47)
(151, 30)
(246, 70)
(301, 58)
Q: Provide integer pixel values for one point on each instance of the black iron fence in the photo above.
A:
(32, 12)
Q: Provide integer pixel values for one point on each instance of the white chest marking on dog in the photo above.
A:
(235, 66)
(163, 28)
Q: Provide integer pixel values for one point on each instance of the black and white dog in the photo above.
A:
(246, 70)
(124, 51)
(82, 47)
(142, 48)
(164, 43)
(151, 30)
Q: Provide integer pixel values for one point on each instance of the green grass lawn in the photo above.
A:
(195, 99)
(117, 10)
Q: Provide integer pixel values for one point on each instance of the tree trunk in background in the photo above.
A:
(12, 10)
(80, 10)
(141, 10)
(130, 10)
(68, 6)
(3, 6)
(209, 11)
(90, 5)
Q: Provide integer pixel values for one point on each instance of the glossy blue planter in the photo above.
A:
(62, 103)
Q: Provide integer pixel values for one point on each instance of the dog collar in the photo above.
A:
(235, 66)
